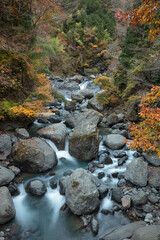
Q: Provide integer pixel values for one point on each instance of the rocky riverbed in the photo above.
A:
(70, 175)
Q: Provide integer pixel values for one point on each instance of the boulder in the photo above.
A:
(82, 195)
(56, 133)
(154, 177)
(151, 158)
(93, 103)
(22, 133)
(33, 155)
(114, 141)
(84, 142)
(126, 202)
(86, 116)
(70, 85)
(6, 176)
(117, 194)
(5, 146)
(112, 119)
(139, 197)
(122, 232)
(147, 233)
(137, 172)
(77, 97)
(87, 93)
(36, 188)
(7, 209)
(132, 111)
(104, 158)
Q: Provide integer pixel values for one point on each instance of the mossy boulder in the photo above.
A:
(33, 155)
(84, 142)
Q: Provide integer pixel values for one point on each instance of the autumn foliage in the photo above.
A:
(147, 13)
(147, 132)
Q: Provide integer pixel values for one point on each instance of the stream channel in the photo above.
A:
(41, 218)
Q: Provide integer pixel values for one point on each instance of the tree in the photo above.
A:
(147, 13)
(147, 133)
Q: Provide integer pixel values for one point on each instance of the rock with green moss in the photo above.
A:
(84, 142)
(33, 155)
(82, 196)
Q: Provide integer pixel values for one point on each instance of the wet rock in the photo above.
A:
(62, 184)
(5, 146)
(147, 233)
(122, 160)
(33, 155)
(36, 188)
(94, 104)
(154, 177)
(103, 190)
(151, 158)
(137, 172)
(53, 184)
(137, 154)
(22, 133)
(126, 202)
(94, 226)
(84, 142)
(139, 197)
(6, 176)
(104, 158)
(56, 133)
(123, 232)
(117, 194)
(67, 173)
(114, 141)
(7, 209)
(148, 217)
(64, 207)
(91, 167)
(87, 93)
(82, 195)
(13, 189)
(101, 175)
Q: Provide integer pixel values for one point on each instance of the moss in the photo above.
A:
(92, 70)
(131, 99)
(75, 183)
(59, 96)
(131, 87)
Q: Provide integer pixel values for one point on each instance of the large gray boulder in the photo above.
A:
(147, 233)
(22, 133)
(137, 172)
(86, 116)
(114, 141)
(33, 155)
(56, 133)
(94, 104)
(7, 209)
(122, 232)
(77, 97)
(69, 85)
(84, 142)
(151, 158)
(5, 146)
(82, 195)
(154, 177)
(6, 176)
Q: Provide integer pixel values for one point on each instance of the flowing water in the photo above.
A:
(41, 218)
